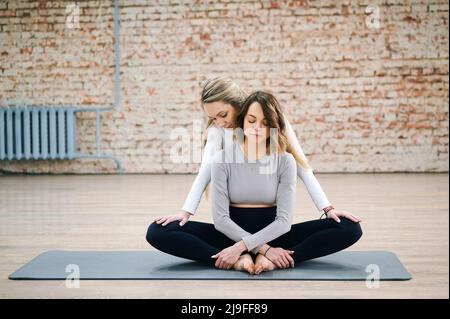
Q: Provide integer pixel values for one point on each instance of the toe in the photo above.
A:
(252, 269)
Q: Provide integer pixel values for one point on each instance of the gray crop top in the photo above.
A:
(271, 180)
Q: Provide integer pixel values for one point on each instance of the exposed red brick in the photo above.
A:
(341, 82)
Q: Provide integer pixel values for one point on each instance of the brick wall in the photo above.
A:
(364, 83)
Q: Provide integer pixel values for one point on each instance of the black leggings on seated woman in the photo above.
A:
(198, 241)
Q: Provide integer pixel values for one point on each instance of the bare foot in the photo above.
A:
(263, 264)
(245, 263)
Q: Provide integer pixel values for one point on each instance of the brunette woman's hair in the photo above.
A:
(275, 119)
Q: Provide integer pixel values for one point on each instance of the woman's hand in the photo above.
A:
(182, 215)
(227, 257)
(280, 257)
(335, 214)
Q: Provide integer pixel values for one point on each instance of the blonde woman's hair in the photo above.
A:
(222, 89)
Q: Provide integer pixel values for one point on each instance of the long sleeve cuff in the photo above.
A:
(248, 244)
(313, 187)
(190, 208)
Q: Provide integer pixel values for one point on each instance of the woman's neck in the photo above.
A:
(254, 151)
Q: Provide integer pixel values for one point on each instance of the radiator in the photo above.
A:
(37, 133)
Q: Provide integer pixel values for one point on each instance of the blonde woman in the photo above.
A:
(223, 100)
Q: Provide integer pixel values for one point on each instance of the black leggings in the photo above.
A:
(198, 241)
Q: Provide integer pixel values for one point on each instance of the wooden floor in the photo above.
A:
(404, 213)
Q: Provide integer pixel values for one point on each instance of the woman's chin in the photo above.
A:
(256, 138)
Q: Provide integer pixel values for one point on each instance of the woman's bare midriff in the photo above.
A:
(251, 205)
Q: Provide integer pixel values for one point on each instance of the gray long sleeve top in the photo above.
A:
(217, 137)
(271, 180)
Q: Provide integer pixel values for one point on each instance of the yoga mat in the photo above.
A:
(153, 264)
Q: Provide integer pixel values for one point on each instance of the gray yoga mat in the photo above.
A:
(149, 265)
